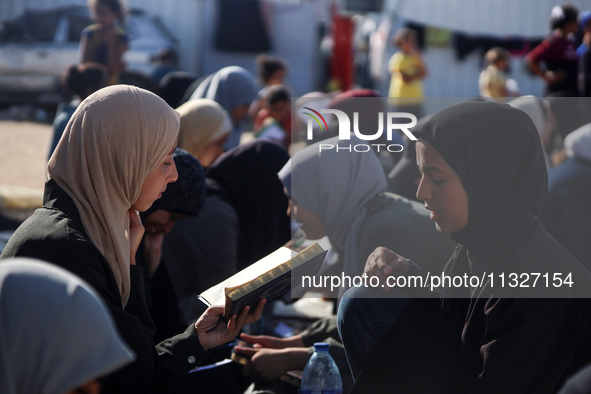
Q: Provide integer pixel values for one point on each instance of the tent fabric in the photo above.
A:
(525, 18)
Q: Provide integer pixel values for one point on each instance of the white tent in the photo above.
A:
(526, 18)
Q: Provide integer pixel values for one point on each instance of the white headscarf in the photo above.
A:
(116, 137)
(578, 143)
(202, 121)
(55, 332)
(335, 186)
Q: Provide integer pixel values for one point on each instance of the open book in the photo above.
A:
(268, 278)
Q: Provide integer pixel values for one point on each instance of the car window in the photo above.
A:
(60, 24)
(42, 24)
(79, 19)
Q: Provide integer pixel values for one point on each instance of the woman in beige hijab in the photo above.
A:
(205, 127)
(113, 160)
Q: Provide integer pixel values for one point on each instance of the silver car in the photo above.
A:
(37, 47)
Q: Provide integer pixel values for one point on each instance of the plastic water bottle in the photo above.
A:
(321, 375)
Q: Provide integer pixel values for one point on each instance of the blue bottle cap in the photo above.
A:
(321, 347)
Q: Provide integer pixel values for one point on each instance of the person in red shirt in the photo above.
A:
(558, 53)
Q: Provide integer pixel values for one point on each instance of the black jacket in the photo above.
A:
(55, 234)
(486, 343)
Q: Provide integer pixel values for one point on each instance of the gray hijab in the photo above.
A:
(55, 333)
(230, 87)
(335, 186)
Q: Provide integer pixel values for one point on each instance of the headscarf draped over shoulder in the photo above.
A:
(496, 151)
(116, 137)
(335, 185)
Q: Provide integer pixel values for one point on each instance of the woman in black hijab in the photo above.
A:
(484, 180)
(243, 219)
(246, 177)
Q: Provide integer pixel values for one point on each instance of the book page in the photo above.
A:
(274, 282)
(302, 257)
(215, 295)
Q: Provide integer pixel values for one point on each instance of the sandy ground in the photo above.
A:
(23, 153)
(23, 157)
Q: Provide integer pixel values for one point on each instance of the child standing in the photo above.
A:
(270, 71)
(408, 70)
(277, 101)
(105, 42)
(492, 81)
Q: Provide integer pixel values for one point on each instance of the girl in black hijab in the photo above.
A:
(484, 180)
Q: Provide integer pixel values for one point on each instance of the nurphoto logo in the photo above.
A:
(344, 124)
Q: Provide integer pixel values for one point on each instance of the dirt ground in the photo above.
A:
(23, 157)
(23, 153)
